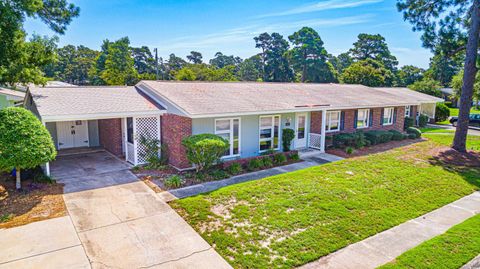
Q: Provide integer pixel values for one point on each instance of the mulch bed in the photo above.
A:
(35, 202)
(374, 149)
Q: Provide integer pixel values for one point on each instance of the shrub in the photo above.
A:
(405, 136)
(152, 151)
(442, 112)
(378, 137)
(409, 122)
(268, 152)
(204, 150)
(294, 156)
(267, 161)
(413, 130)
(422, 120)
(396, 135)
(24, 141)
(218, 174)
(254, 164)
(349, 150)
(412, 136)
(356, 140)
(449, 104)
(234, 169)
(174, 181)
(287, 136)
(279, 158)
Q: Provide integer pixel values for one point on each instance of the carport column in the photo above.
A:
(46, 166)
(322, 137)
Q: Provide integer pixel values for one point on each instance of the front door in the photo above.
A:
(72, 134)
(300, 130)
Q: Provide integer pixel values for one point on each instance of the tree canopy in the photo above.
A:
(373, 47)
(369, 73)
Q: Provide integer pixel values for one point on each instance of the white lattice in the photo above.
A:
(315, 141)
(148, 127)
(130, 152)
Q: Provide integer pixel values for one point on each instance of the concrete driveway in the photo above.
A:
(122, 223)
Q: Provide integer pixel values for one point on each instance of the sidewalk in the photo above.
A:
(386, 246)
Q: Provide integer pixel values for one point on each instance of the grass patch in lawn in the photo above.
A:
(35, 202)
(295, 218)
(473, 141)
(435, 130)
(456, 247)
(454, 112)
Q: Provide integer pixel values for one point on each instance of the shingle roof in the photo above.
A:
(204, 98)
(403, 93)
(65, 101)
(12, 93)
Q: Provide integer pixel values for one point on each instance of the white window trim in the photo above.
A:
(408, 111)
(390, 120)
(329, 119)
(230, 132)
(366, 120)
(272, 129)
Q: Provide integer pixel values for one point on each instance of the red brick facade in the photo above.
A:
(349, 121)
(110, 135)
(174, 129)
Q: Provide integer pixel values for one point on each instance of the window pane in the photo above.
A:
(265, 145)
(301, 127)
(235, 145)
(222, 125)
(266, 133)
(227, 137)
(266, 122)
(130, 130)
(334, 115)
(334, 125)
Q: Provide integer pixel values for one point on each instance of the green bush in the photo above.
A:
(449, 104)
(279, 158)
(378, 137)
(267, 161)
(412, 136)
(349, 150)
(254, 164)
(234, 169)
(356, 140)
(174, 181)
(422, 121)
(294, 156)
(204, 150)
(24, 141)
(218, 174)
(413, 130)
(405, 136)
(409, 122)
(442, 112)
(396, 135)
(287, 136)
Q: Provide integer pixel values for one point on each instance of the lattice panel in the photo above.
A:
(130, 152)
(315, 141)
(147, 127)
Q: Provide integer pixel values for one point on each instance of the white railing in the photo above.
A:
(315, 141)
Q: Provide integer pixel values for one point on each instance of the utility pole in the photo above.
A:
(156, 63)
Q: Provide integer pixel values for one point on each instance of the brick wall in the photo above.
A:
(174, 129)
(316, 122)
(110, 135)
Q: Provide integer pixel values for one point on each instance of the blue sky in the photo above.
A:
(229, 26)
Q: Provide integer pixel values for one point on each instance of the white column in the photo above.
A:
(322, 138)
(47, 169)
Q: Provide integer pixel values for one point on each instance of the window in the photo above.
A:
(363, 116)
(130, 130)
(269, 132)
(408, 111)
(388, 116)
(333, 121)
(229, 129)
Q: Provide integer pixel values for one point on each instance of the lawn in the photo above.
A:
(473, 142)
(435, 130)
(453, 249)
(291, 219)
(454, 112)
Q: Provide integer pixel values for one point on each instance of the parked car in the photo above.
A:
(474, 120)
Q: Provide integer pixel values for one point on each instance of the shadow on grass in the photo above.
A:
(466, 164)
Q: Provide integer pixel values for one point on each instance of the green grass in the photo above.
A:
(452, 249)
(454, 112)
(295, 218)
(435, 130)
(473, 142)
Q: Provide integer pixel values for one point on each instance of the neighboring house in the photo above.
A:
(250, 115)
(10, 97)
(447, 95)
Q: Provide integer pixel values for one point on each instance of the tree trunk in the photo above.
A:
(18, 183)
(470, 71)
(304, 71)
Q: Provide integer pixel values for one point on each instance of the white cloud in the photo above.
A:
(321, 6)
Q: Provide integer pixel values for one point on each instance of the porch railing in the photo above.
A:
(315, 141)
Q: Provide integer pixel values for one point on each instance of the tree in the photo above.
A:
(452, 26)
(367, 72)
(427, 86)
(17, 64)
(274, 56)
(373, 47)
(143, 60)
(205, 150)
(119, 64)
(263, 42)
(195, 57)
(72, 64)
(174, 64)
(457, 82)
(444, 67)
(341, 61)
(25, 143)
(309, 56)
(251, 69)
(186, 74)
(220, 60)
(409, 74)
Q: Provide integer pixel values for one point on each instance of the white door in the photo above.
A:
(301, 130)
(72, 134)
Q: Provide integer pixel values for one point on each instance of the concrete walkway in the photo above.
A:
(386, 246)
(312, 158)
(473, 264)
(115, 221)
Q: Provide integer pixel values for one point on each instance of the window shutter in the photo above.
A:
(342, 120)
(394, 115)
(370, 118)
(355, 119)
(381, 116)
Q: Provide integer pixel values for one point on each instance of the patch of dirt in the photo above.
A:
(35, 202)
(374, 149)
(449, 156)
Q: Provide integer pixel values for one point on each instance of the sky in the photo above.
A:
(209, 26)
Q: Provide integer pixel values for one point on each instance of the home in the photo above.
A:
(10, 97)
(250, 115)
